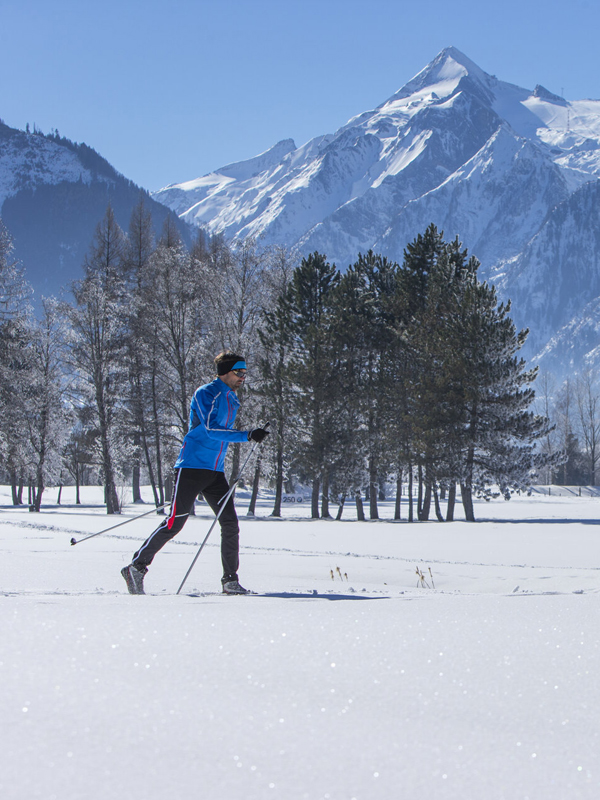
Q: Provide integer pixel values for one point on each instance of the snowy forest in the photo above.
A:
(384, 375)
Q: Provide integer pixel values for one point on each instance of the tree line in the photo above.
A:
(405, 373)
(574, 407)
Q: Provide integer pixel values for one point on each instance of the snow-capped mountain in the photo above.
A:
(53, 193)
(555, 279)
(513, 172)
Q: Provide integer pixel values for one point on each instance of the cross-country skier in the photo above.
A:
(199, 469)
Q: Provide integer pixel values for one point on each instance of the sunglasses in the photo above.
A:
(240, 373)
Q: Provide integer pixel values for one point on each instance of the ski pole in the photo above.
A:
(118, 525)
(222, 502)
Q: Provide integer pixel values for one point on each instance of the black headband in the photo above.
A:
(229, 362)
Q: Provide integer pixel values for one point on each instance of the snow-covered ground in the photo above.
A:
(483, 684)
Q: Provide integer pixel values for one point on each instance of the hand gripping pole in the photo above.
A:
(222, 502)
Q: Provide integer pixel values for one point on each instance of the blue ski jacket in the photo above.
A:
(212, 413)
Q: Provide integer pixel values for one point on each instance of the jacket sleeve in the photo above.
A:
(204, 412)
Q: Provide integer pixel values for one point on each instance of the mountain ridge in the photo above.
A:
(481, 158)
(53, 193)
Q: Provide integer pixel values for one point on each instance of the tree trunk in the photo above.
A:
(420, 494)
(426, 507)
(398, 506)
(360, 511)
(60, 488)
(373, 509)
(314, 512)
(235, 461)
(112, 499)
(156, 424)
(14, 488)
(467, 501)
(135, 484)
(466, 487)
(150, 469)
(410, 494)
(38, 492)
(255, 485)
(438, 510)
(168, 491)
(325, 497)
(39, 482)
(110, 489)
(340, 510)
(278, 482)
(451, 503)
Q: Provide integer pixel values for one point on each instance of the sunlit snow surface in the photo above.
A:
(481, 685)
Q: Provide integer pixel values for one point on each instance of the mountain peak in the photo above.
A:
(453, 54)
(241, 170)
(443, 74)
(495, 163)
(544, 94)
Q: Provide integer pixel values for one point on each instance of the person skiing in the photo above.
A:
(199, 469)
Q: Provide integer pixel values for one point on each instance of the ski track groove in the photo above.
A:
(305, 553)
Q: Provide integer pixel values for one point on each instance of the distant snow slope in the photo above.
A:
(53, 194)
(481, 158)
(27, 160)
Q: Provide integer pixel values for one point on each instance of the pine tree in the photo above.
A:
(468, 393)
(416, 324)
(363, 323)
(274, 387)
(494, 388)
(313, 365)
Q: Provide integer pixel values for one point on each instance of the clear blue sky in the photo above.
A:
(169, 90)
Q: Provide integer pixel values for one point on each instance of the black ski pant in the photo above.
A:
(189, 483)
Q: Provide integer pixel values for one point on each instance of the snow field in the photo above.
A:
(367, 688)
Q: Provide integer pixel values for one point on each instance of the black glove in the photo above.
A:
(257, 435)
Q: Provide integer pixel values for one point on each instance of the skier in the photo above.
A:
(199, 469)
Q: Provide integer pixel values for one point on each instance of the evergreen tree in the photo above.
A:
(469, 393)
(313, 366)
(363, 323)
(274, 389)
(420, 384)
(499, 432)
